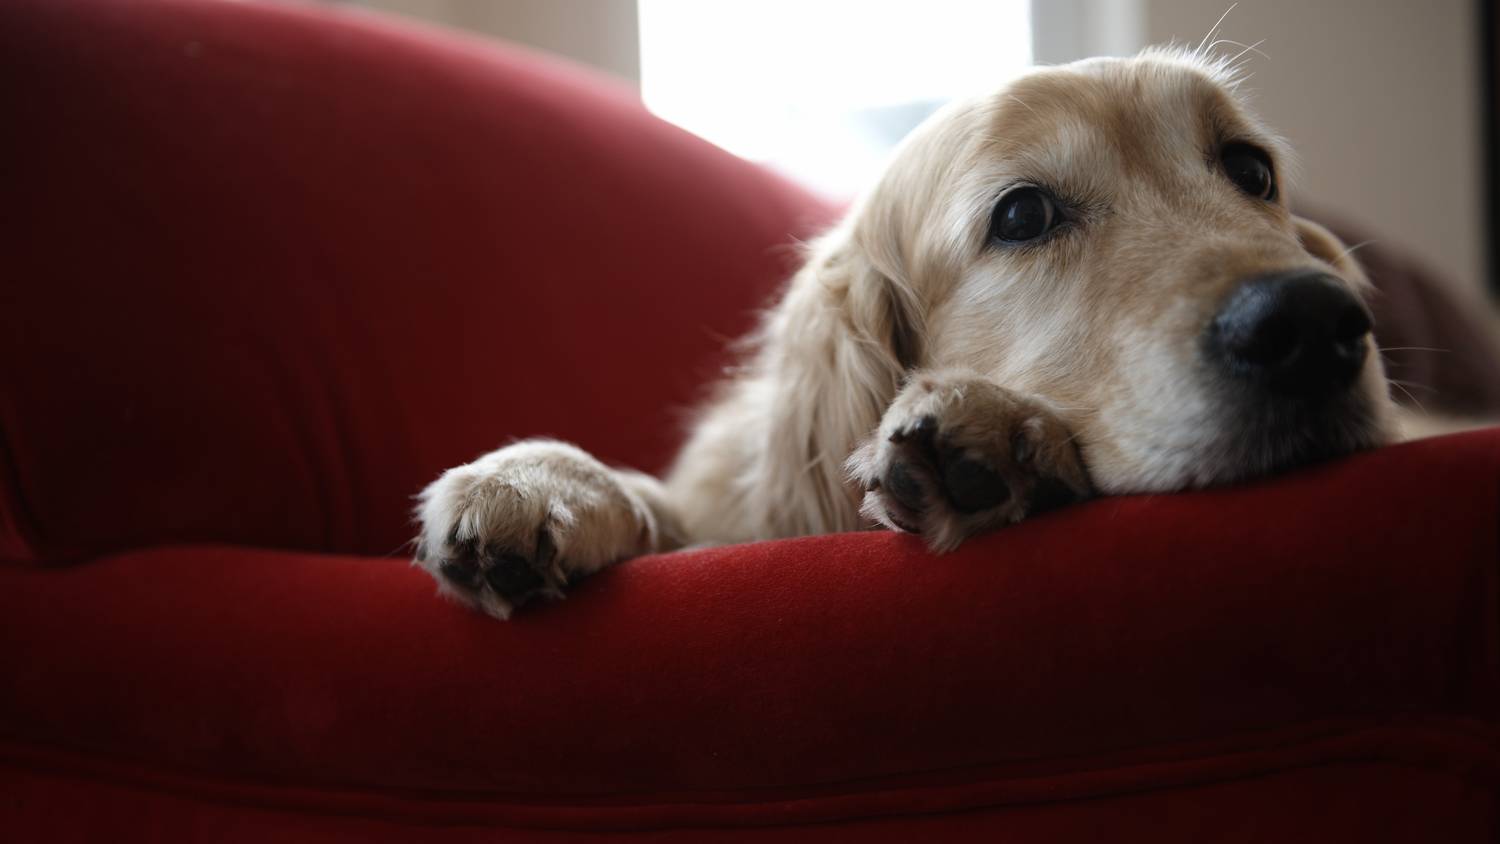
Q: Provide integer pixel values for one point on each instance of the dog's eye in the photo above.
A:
(1023, 214)
(1250, 170)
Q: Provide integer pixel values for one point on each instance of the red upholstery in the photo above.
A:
(274, 269)
(1192, 657)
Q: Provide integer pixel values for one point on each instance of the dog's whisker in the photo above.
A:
(1253, 48)
(1384, 349)
(1352, 249)
(1246, 48)
(1398, 385)
(1428, 387)
(1358, 246)
(1214, 30)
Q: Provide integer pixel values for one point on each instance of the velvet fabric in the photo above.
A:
(270, 269)
(1186, 657)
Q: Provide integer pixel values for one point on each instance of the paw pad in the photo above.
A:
(967, 459)
(972, 486)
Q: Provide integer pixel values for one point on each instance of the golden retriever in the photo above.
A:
(1087, 282)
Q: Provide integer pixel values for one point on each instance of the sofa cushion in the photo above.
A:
(1342, 615)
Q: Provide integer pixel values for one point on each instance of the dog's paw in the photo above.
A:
(955, 456)
(525, 521)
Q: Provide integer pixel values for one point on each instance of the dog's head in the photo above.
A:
(1114, 235)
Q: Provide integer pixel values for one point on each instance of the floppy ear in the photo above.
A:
(1324, 245)
(880, 308)
(834, 354)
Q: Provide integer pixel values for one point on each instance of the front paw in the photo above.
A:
(524, 522)
(957, 456)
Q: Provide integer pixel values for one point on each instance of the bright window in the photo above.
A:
(822, 90)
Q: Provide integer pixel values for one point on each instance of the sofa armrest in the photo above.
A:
(1342, 614)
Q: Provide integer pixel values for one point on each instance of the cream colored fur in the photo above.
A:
(1073, 363)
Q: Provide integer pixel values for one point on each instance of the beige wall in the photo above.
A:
(1381, 100)
(597, 32)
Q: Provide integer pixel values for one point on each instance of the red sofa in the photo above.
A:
(270, 270)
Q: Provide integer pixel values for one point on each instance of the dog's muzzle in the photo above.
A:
(1299, 334)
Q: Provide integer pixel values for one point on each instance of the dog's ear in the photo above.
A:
(835, 351)
(1323, 244)
(879, 306)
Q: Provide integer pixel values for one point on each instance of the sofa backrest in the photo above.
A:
(269, 270)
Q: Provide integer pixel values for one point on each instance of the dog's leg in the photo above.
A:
(530, 518)
(956, 455)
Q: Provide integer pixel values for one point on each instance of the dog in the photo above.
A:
(1088, 282)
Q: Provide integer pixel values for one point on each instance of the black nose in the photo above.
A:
(1298, 333)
